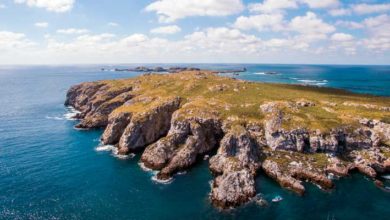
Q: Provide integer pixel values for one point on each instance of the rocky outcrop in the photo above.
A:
(235, 164)
(147, 127)
(117, 123)
(338, 167)
(96, 101)
(380, 131)
(176, 119)
(337, 140)
(281, 176)
(188, 138)
(233, 189)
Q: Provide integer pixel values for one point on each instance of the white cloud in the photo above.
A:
(172, 10)
(370, 8)
(2, 6)
(312, 27)
(72, 31)
(222, 41)
(134, 39)
(11, 40)
(273, 5)
(41, 24)
(378, 21)
(349, 24)
(321, 3)
(341, 37)
(260, 22)
(50, 5)
(171, 29)
(378, 29)
(339, 12)
(113, 24)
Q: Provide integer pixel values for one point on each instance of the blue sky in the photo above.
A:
(193, 31)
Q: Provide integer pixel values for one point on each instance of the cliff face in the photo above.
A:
(174, 120)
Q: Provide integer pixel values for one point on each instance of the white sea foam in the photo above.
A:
(144, 168)
(259, 73)
(313, 82)
(114, 151)
(71, 114)
(167, 181)
(387, 177)
(119, 156)
(54, 118)
(181, 173)
(105, 148)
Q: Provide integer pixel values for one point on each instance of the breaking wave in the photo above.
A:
(167, 181)
(54, 118)
(71, 114)
(313, 82)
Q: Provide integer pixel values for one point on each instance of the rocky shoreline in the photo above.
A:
(292, 133)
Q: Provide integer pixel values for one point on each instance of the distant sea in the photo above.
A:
(48, 170)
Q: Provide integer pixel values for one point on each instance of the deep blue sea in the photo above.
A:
(48, 170)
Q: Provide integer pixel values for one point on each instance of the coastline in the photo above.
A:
(237, 169)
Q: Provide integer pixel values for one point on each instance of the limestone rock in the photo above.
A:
(148, 127)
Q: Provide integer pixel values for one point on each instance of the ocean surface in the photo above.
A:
(48, 170)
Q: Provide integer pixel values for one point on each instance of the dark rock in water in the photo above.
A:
(271, 73)
(176, 119)
(159, 69)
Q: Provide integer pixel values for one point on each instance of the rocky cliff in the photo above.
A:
(291, 133)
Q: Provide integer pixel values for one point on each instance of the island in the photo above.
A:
(291, 133)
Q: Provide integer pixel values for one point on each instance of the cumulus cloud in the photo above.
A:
(341, 37)
(260, 22)
(349, 24)
(311, 26)
(50, 5)
(378, 29)
(41, 24)
(72, 31)
(370, 8)
(11, 40)
(273, 5)
(172, 10)
(171, 29)
(321, 3)
(340, 12)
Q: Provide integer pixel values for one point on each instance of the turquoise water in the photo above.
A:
(48, 170)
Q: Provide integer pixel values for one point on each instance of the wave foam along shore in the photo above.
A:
(313, 82)
(71, 114)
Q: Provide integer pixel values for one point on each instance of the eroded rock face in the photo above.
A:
(380, 130)
(285, 179)
(233, 189)
(96, 101)
(338, 167)
(146, 128)
(117, 123)
(337, 140)
(236, 164)
(186, 140)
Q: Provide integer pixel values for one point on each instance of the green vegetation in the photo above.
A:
(207, 93)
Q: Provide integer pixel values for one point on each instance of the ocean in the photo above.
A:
(48, 170)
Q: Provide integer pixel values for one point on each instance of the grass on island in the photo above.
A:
(240, 100)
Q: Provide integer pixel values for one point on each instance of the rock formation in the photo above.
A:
(175, 119)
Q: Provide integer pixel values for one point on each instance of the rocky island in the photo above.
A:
(291, 133)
